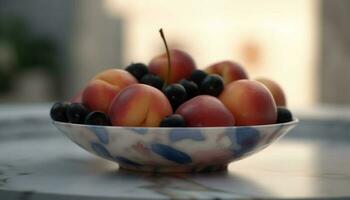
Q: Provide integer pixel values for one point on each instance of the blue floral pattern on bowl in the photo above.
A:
(174, 149)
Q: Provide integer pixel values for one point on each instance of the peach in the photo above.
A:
(101, 90)
(228, 70)
(205, 111)
(275, 90)
(182, 66)
(139, 105)
(250, 102)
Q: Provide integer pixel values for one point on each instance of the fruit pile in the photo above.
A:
(172, 92)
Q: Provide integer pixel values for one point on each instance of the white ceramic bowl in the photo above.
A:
(174, 149)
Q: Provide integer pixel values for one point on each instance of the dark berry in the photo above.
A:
(97, 118)
(138, 70)
(212, 85)
(283, 115)
(152, 80)
(58, 111)
(175, 120)
(176, 94)
(190, 87)
(198, 76)
(76, 113)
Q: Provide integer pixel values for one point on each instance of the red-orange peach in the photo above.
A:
(228, 70)
(250, 102)
(139, 105)
(205, 111)
(101, 90)
(275, 90)
(182, 66)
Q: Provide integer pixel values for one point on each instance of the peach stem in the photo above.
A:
(168, 55)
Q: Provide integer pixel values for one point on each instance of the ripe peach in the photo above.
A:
(101, 90)
(182, 66)
(139, 105)
(275, 90)
(228, 70)
(205, 111)
(250, 102)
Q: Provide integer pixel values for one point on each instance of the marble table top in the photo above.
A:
(38, 162)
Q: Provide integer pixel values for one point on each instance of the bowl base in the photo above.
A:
(175, 169)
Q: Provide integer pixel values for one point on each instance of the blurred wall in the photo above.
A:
(292, 42)
(274, 39)
(334, 75)
(87, 41)
(96, 43)
(48, 19)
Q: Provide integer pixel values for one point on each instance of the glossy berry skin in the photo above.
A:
(58, 111)
(212, 85)
(175, 120)
(76, 113)
(97, 118)
(191, 88)
(198, 76)
(152, 80)
(283, 115)
(176, 95)
(138, 70)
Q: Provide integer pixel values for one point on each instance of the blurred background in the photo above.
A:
(50, 49)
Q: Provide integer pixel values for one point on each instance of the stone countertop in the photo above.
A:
(38, 162)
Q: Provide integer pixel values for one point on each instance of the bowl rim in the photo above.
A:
(293, 122)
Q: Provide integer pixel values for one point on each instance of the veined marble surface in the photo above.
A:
(38, 162)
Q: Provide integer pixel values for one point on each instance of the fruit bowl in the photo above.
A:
(156, 149)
